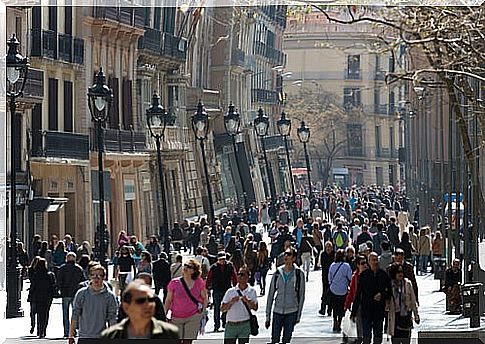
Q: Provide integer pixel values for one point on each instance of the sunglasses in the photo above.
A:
(188, 266)
(96, 276)
(143, 300)
(363, 263)
(288, 254)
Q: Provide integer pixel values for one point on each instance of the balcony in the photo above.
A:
(276, 142)
(53, 45)
(120, 141)
(380, 109)
(124, 15)
(34, 86)
(151, 41)
(65, 47)
(238, 57)
(276, 56)
(264, 96)
(175, 47)
(61, 145)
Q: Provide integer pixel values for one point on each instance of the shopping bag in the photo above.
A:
(349, 328)
(129, 277)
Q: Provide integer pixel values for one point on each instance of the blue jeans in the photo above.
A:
(217, 296)
(370, 326)
(287, 323)
(66, 302)
(423, 262)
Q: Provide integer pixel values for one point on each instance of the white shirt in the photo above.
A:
(238, 311)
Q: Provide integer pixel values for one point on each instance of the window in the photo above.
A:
(379, 176)
(157, 17)
(353, 67)
(392, 174)
(52, 103)
(392, 142)
(68, 20)
(127, 104)
(169, 20)
(114, 109)
(68, 120)
(391, 64)
(351, 97)
(392, 107)
(53, 18)
(354, 140)
(378, 141)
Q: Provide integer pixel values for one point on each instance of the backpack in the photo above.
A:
(297, 284)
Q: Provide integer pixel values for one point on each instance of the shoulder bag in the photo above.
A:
(199, 305)
(253, 320)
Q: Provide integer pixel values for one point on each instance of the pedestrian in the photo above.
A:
(43, 289)
(237, 259)
(264, 217)
(126, 269)
(237, 303)
(402, 306)
(153, 247)
(187, 300)
(408, 270)
(317, 242)
(53, 242)
(86, 249)
(363, 237)
(287, 294)
(123, 239)
(139, 304)
(176, 269)
(145, 263)
(221, 277)
(95, 307)
(393, 232)
(161, 274)
(339, 277)
(68, 278)
(407, 247)
(350, 257)
(424, 249)
(70, 244)
(250, 259)
(306, 252)
(373, 291)
(340, 237)
(36, 245)
(46, 253)
(349, 299)
(263, 266)
(385, 258)
(326, 259)
(30, 299)
(58, 256)
(83, 262)
(379, 237)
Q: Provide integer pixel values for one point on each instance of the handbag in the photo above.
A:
(253, 320)
(199, 305)
(349, 328)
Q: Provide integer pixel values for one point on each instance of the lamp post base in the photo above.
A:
(14, 304)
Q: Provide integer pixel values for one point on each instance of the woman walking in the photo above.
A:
(42, 289)
(424, 249)
(145, 263)
(187, 301)
(33, 311)
(126, 266)
(327, 258)
(58, 256)
(361, 267)
(263, 266)
(264, 217)
(339, 277)
(402, 306)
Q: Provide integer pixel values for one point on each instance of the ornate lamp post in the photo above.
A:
(261, 125)
(100, 97)
(17, 68)
(303, 133)
(232, 123)
(200, 125)
(284, 128)
(157, 122)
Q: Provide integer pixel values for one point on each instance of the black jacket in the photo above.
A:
(68, 278)
(42, 287)
(369, 285)
(161, 272)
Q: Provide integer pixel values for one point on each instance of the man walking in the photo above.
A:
(68, 278)
(220, 278)
(238, 303)
(287, 292)
(373, 290)
(161, 274)
(95, 306)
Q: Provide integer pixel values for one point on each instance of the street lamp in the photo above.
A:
(17, 68)
(200, 125)
(284, 128)
(303, 133)
(232, 123)
(100, 97)
(157, 122)
(261, 125)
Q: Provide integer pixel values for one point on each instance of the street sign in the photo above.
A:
(453, 197)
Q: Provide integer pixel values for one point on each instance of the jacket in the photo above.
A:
(161, 272)
(424, 245)
(68, 278)
(409, 301)
(160, 330)
(371, 283)
(284, 294)
(42, 287)
(349, 299)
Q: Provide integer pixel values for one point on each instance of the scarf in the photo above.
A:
(398, 291)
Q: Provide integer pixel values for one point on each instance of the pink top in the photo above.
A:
(182, 306)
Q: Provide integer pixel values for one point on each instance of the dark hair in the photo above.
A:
(41, 265)
(339, 255)
(148, 256)
(199, 250)
(385, 245)
(360, 259)
(394, 269)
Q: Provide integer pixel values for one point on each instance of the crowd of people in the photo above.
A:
(362, 240)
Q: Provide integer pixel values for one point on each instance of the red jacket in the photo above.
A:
(352, 290)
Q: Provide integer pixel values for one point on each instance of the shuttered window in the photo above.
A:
(114, 111)
(127, 104)
(68, 20)
(52, 102)
(68, 108)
